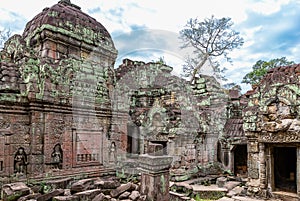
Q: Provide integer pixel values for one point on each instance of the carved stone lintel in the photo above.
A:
(280, 137)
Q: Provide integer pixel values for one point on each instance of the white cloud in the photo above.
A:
(267, 7)
(120, 16)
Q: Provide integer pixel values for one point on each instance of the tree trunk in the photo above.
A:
(198, 67)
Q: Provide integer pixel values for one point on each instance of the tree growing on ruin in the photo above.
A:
(210, 38)
(261, 67)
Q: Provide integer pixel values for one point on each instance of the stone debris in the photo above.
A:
(82, 185)
(50, 195)
(13, 191)
(114, 191)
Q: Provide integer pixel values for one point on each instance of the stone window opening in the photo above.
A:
(285, 168)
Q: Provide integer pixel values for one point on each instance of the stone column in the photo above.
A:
(155, 174)
(269, 167)
(135, 140)
(298, 171)
(262, 166)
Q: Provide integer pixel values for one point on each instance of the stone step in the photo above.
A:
(240, 198)
(211, 191)
(286, 196)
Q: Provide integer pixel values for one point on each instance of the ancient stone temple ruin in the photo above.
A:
(66, 110)
(56, 84)
(271, 123)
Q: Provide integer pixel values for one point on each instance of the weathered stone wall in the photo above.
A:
(191, 117)
(14, 132)
(55, 91)
(271, 120)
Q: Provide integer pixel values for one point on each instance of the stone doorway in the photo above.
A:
(240, 160)
(133, 137)
(285, 168)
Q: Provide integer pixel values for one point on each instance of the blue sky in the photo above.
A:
(148, 29)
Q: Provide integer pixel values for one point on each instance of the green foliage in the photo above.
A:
(210, 38)
(260, 68)
(161, 61)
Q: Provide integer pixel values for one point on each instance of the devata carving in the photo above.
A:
(57, 156)
(20, 161)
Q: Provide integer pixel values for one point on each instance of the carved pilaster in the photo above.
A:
(262, 165)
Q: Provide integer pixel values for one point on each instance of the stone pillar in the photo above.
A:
(155, 174)
(135, 140)
(269, 167)
(262, 166)
(298, 171)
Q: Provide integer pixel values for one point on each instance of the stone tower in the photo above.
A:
(56, 81)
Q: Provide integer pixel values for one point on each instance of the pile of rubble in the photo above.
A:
(94, 189)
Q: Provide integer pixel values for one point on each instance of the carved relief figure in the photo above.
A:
(20, 161)
(57, 156)
(113, 152)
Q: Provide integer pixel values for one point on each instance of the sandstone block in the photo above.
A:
(221, 182)
(88, 195)
(66, 198)
(13, 191)
(134, 195)
(121, 189)
(81, 185)
(49, 196)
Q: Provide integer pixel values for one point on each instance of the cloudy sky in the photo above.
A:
(148, 29)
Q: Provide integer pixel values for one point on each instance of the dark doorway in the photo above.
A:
(133, 134)
(285, 166)
(240, 160)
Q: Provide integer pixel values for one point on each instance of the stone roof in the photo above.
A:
(282, 74)
(234, 128)
(68, 19)
(278, 75)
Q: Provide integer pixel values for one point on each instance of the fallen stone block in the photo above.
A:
(236, 191)
(231, 185)
(82, 185)
(65, 198)
(221, 181)
(107, 184)
(28, 197)
(88, 195)
(124, 195)
(50, 195)
(121, 189)
(100, 197)
(59, 183)
(13, 191)
(225, 199)
(134, 195)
